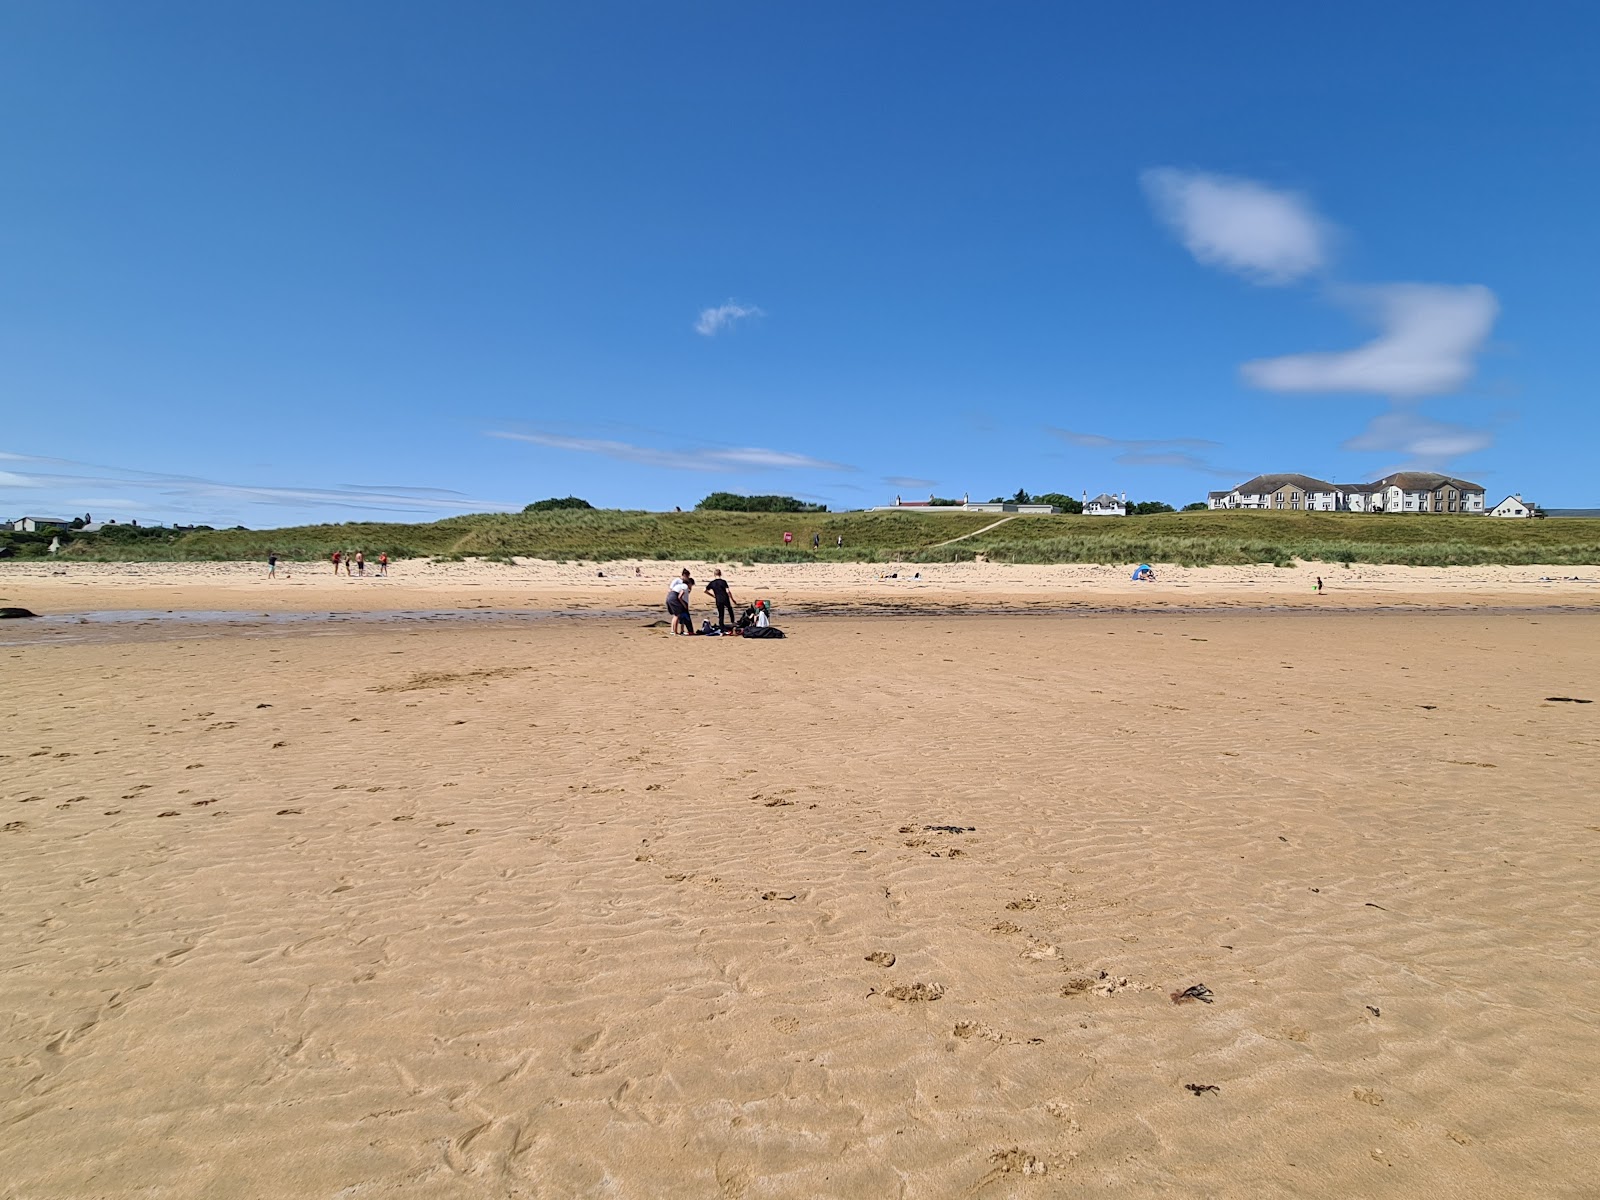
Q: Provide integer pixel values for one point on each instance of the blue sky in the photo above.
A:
(265, 263)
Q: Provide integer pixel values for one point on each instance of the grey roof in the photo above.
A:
(1263, 485)
(1103, 498)
(1425, 481)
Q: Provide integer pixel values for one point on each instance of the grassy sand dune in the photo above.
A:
(1200, 538)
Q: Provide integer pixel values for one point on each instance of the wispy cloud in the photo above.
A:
(711, 458)
(713, 321)
(1429, 337)
(909, 482)
(141, 494)
(1425, 442)
(1151, 452)
(1267, 235)
(1098, 441)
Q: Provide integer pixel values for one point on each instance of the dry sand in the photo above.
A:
(312, 587)
(555, 908)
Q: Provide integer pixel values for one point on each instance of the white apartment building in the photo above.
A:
(1401, 492)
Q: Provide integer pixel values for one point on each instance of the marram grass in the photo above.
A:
(603, 535)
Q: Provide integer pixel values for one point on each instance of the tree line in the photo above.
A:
(733, 502)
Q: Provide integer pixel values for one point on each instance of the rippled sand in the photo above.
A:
(893, 907)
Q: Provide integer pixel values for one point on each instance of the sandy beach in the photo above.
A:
(896, 906)
(52, 587)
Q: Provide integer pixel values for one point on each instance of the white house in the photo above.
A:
(1512, 506)
(39, 524)
(967, 505)
(1105, 505)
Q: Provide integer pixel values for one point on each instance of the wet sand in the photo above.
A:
(892, 907)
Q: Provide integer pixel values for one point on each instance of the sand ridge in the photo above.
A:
(892, 907)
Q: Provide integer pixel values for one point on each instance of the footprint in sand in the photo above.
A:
(977, 1029)
(915, 993)
(1023, 904)
(290, 812)
(882, 958)
(1013, 1161)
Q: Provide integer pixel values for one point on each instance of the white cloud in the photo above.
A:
(705, 459)
(12, 479)
(713, 321)
(910, 482)
(1424, 441)
(1266, 235)
(1430, 335)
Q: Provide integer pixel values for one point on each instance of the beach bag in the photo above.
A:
(763, 631)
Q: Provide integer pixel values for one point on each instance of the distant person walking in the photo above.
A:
(788, 538)
(337, 559)
(718, 590)
(272, 565)
(678, 603)
(383, 565)
(1318, 588)
(840, 542)
(816, 542)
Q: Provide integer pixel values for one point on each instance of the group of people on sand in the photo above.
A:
(682, 588)
(354, 563)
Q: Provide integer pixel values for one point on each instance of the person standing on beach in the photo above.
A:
(361, 563)
(349, 564)
(1318, 588)
(337, 559)
(383, 564)
(272, 564)
(840, 542)
(678, 603)
(718, 590)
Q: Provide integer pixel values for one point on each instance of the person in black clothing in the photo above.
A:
(717, 589)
